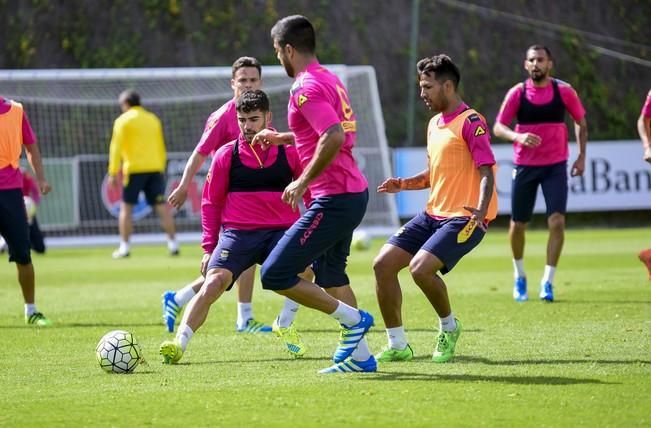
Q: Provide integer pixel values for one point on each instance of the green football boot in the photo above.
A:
(171, 351)
(389, 354)
(445, 344)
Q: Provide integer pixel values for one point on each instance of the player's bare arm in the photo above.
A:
(268, 137)
(326, 150)
(35, 161)
(581, 133)
(644, 129)
(525, 138)
(180, 193)
(397, 184)
(486, 185)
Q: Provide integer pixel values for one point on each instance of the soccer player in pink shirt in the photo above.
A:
(16, 132)
(540, 143)
(221, 128)
(242, 214)
(644, 129)
(323, 126)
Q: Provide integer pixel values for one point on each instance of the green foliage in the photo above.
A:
(581, 361)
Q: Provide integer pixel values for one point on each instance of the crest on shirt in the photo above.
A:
(301, 100)
(479, 131)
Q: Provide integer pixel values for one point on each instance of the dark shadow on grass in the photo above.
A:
(516, 380)
(473, 359)
(409, 330)
(56, 326)
(244, 362)
(607, 302)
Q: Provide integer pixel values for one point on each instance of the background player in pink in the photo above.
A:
(242, 214)
(220, 128)
(16, 132)
(323, 126)
(462, 199)
(644, 129)
(540, 143)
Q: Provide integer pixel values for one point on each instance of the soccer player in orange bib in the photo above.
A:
(16, 132)
(462, 200)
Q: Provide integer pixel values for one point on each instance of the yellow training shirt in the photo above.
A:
(137, 143)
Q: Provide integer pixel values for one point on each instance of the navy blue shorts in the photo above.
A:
(321, 238)
(152, 183)
(524, 186)
(13, 225)
(238, 250)
(438, 237)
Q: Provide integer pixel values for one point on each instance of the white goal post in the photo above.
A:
(72, 113)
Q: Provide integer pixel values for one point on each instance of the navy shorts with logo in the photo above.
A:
(152, 183)
(524, 186)
(238, 250)
(13, 225)
(321, 238)
(438, 237)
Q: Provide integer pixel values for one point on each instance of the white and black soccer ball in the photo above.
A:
(118, 352)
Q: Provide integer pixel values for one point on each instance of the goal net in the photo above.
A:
(72, 113)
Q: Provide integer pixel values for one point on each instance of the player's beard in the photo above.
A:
(537, 76)
(288, 68)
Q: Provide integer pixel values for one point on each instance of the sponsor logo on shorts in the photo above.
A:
(399, 232)
(311, 228)
(223, 255)
(465, 233)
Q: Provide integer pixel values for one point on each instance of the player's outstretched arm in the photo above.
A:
(180, 193)
(397, 184)
(268, 137)
(526, 138)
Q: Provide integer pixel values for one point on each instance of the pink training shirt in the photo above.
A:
(243, 210)
(646, 109)
(221, 128)
(11, 178)
(318, 100)
(475, 134)
(553, 148)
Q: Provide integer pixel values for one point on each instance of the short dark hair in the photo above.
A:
(297, 31)
(252, 101)
(539, 48)
(442, 66)
(131, 97)
(247, 61)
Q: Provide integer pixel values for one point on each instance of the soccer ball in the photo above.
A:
(118, 352)
(361, 240)
(30, 208)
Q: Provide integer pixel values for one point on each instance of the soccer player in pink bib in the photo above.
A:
(242, 214)
(323, 126)
(644, 129)
(540, 143)
(221, 128)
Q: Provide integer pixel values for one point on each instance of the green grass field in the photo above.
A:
(584, 360)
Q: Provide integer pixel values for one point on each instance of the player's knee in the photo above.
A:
(556, 222)
(420, 271)
(215, 284)
(382, 266)
(518, 226)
